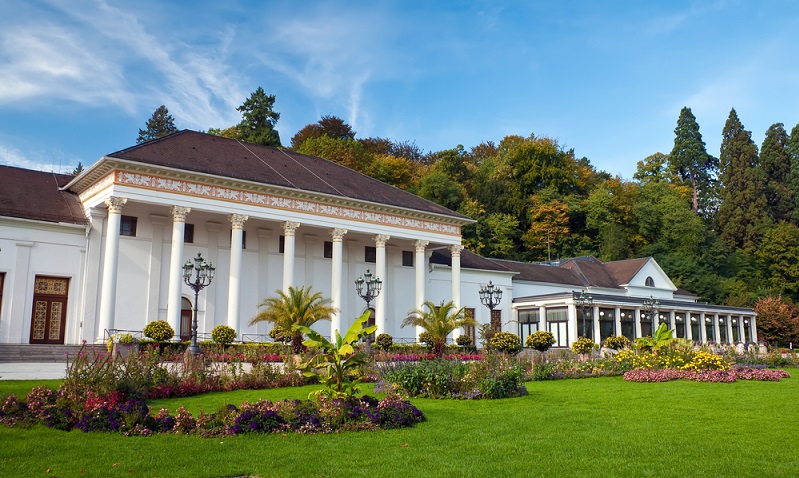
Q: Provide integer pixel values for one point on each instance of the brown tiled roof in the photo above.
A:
(469, 260)
(204, 153)
(624, 271)
(593, 271)
(37, 195)
(542, 273)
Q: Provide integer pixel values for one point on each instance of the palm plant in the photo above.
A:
(296, 307)
(439, 321)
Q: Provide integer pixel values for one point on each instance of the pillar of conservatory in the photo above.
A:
(716, 328)
(234, 284)
(637, 322)
(673, 321)
(689, 332)
(753, 328)
(571, 325)
(595, 324)
(289, 228)
(617, 315)
(335, 280)
(108, 292)
(380, 272)
(702, 328)
(419, 265)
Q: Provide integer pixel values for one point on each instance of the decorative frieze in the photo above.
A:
(269, 200)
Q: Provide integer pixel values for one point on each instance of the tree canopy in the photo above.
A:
(159, 125)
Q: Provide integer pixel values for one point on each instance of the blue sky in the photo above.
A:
(606, 78)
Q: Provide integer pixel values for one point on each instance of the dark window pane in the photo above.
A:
(328, 252)
(188, 233)
(127, 226)
(370, 254)
(407, 258)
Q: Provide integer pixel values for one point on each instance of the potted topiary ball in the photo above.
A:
(541, 340)
(583, 346)
(223, 335)
(506, 342)
(159, 330)
(384, 341)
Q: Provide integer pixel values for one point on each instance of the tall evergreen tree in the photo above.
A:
(793, 155)
(742, 215)
(776, 163)
(258, 119)
(689, 159)
(159, 125)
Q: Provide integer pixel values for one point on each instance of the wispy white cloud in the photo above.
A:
(39, 161)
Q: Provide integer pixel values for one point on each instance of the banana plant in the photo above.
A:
(337, 363)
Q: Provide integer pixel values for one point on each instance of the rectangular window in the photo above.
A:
(528, 323)
(696, 335)
(370, 254)
(557, 323)
(328, 253)
(607, 323)
(736, 335)
(407, 258)
(709, 329)
(188, 233)
(281, 244)
(679, 325)
(127, 226)
(496, 320)
(627, 317)
(469, 330)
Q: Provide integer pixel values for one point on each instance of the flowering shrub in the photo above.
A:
(541, 340)
(617, 342)
(131, 416)
(426, 338)
(159, 330)
(495, 376)
(706, 361)
(463, 340)
(731, 375)
(222, 334)
(506, 342)
(384, 341)
(583, 345)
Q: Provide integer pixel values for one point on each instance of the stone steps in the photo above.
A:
(10, 353)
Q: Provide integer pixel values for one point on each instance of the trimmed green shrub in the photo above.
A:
(159, 330)
(463, 340)
(280, 334)
(426, 338)
(506, 342)
(384, 341)
(617, 342)
(222, 334)
(583, 345)
(541, 340)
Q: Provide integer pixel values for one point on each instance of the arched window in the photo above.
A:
(650, 282)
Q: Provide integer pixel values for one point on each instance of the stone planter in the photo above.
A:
(123, 350)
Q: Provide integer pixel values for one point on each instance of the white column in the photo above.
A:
(13, 331)
(336, 280)
(689, 331)
(753, 325)
(702, 328)
(109, 287)
(673, 322)
(617, 315)
(455, 251)
(419, 265)
(571, 326)
(595, 323)
(176, 268)
(288, 254)
(380, 272)
(637, 322)
(234, 284)
(716, 328)
(158, 222)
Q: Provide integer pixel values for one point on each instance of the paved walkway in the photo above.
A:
(32, 371)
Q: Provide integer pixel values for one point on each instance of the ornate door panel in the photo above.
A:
(49, 310)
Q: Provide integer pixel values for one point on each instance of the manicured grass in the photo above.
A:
(593, 427)
(21, 388)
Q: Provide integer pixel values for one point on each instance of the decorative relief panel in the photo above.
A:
(39, 319)
(248, 197)
(51, 286)
(56, 309)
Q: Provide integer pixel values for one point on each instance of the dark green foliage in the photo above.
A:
(505, 342)
(541, 340)
(384, 341)
(793, 157)
(258, 119)
(222, 334)
(690, 161)
(742, 216)
(776, 163)
(159, 125)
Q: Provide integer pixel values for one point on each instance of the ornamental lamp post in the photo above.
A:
(373, 286)
(651, 306)
(203, 274)
(491, 296)
(584, 300)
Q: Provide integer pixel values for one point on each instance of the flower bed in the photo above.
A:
(132, 416)
(416, 357)
(731, 375)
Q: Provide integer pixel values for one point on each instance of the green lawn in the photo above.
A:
(593, 427)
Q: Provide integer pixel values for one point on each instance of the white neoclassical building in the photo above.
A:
(82, 257)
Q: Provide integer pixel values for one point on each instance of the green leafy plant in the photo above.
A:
(617, 342)
(541, 340)
(439, 321)
(583, 345)
(159, 330)
(506, 342)
(298, 306)
(384, 341)
(426, 338)
(662, 337)
(279, 334)
(463, 340)
(222, 334)
(338, 361)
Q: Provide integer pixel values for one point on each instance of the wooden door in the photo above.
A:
(185, 319)
(49, 318)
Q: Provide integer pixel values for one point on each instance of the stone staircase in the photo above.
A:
(41, 353)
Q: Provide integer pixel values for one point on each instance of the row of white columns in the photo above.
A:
(179, 213)
(672, 324)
